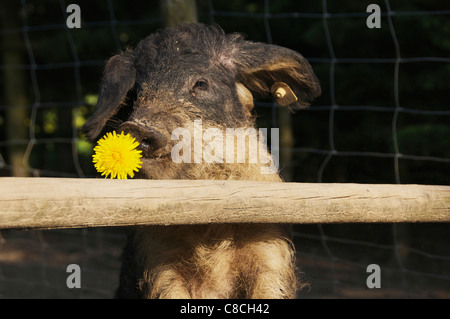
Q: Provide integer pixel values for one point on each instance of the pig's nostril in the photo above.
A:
(146, 144)
(150, 146)
(151, 142)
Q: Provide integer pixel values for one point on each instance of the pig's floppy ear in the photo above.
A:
(118, 78)
(270, 69)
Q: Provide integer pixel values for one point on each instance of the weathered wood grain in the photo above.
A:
(73, 203)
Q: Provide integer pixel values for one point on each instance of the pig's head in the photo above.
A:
(176, 76)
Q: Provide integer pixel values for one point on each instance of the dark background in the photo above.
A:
(383, 117)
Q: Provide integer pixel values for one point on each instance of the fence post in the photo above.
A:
(79, 202)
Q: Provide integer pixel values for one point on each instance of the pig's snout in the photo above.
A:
(151, 142)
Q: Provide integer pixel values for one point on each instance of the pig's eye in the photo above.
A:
(200, 86)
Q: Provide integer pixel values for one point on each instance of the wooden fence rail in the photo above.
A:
(47, 203)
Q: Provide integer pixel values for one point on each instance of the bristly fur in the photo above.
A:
(172, 78)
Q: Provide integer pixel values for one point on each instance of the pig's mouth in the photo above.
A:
(152, 142)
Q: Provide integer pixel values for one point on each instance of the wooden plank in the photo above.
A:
(73, 203)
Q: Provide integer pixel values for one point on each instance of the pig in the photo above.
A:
(172, 78)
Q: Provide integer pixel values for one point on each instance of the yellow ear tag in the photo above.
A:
(283, 94)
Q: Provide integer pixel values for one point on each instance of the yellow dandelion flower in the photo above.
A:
(116, 155)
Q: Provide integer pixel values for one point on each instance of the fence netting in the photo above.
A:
(383, 117)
